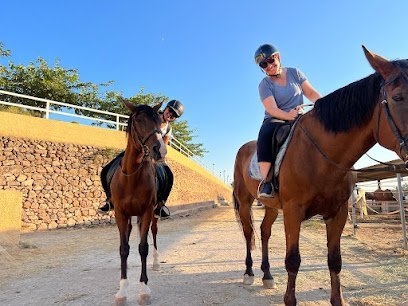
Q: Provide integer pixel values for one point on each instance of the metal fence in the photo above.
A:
(64, 109)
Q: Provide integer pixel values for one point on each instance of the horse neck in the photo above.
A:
(344, 148)
(132, 158)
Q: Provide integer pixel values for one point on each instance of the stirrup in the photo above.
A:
(264, 194)
(162, 213)
(106, 208)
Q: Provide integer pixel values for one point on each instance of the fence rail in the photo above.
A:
(52, 107)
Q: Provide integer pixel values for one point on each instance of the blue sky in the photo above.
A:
(201, 52)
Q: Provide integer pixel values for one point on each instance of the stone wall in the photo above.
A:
(60, 183)
(59, 178)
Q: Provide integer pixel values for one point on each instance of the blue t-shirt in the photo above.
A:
(286, 97)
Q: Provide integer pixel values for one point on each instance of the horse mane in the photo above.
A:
(353, 105)
(350, 106)
(141, 109)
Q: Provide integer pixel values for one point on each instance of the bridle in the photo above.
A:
(139, 141)
(403, 140)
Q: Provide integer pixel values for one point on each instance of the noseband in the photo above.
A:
(402, 139)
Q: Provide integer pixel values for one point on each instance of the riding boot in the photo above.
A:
(265, 189)
(161, 211)
(106, 208)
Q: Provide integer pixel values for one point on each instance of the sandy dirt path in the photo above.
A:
(202, 263)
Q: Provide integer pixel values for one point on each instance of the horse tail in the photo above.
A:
(238, 217)
(236, 205)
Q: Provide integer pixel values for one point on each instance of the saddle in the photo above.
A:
(280, 141)
(161, 175)
(112, 170)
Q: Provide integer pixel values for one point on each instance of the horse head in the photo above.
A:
(144, 130)
(392, 125)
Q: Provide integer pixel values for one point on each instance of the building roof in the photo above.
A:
(381, 172)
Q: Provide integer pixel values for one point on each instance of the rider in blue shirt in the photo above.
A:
(281, 92)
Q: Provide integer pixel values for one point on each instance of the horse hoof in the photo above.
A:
(121, 295)
(156, 267)
(269, 283)
(144, 299)
(248, 280)
(120, 301)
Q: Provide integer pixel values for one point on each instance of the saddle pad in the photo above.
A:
(255, 172)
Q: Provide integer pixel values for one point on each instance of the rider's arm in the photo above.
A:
(310, 93)
(271, 107)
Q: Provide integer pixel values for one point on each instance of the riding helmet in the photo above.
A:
(176, 106)
(263, 52)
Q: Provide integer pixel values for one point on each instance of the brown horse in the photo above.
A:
(133, 189)
(315, 176)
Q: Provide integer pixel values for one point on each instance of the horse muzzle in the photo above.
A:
(159, 150)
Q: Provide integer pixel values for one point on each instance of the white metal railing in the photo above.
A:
(48, 109)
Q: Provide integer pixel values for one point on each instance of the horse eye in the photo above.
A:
(398, 98)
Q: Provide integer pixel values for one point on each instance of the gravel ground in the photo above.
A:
(202, 263)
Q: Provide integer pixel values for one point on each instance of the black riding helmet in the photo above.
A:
(263, 52)
(176, 106)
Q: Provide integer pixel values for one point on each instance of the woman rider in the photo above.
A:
(281, 92)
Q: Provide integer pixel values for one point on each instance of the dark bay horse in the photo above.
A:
(133, 189)
(315, 176)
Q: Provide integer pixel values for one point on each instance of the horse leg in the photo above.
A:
(124, 227)
(269, 218)
(145, 293)
(334, 229)
(156, 262)
(292, 221)
(243, 208)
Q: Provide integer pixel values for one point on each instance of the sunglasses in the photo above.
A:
(172, 114)
(264, 63)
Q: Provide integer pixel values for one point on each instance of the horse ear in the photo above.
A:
(129, 105)
(158, 106)
(379, 63)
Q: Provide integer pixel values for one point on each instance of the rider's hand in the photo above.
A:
(300, 109)
(293, 113)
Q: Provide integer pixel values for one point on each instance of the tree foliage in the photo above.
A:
(4, 52)
(61, 84)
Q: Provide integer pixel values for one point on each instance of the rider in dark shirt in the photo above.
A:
(173, 110)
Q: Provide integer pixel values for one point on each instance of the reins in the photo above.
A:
(402, 140)
(391, 167)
